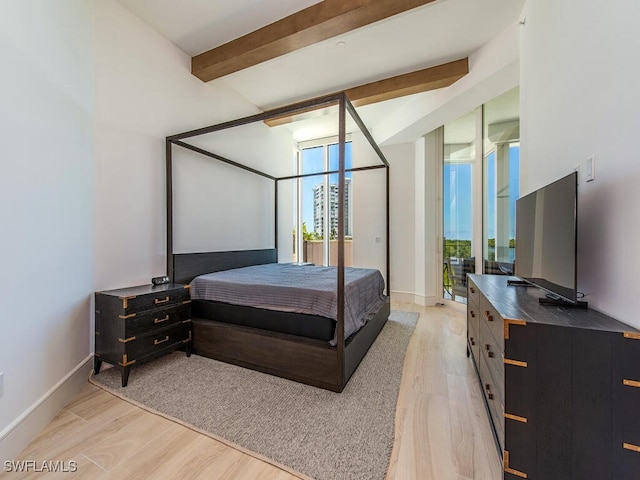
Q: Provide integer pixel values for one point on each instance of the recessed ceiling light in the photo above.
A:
(341, 44)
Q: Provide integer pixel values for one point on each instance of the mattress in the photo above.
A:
(306, 289)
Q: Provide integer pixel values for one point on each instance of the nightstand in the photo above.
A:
(140, 323)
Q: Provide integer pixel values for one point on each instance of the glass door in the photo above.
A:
(459, 154)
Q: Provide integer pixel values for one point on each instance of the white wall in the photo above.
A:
(46, 198)
(403, 232)
(579, 97)
(369, 207)
(144, 92)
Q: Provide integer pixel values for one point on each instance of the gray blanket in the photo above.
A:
(297, 288)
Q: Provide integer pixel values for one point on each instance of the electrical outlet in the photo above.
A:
(1, 383)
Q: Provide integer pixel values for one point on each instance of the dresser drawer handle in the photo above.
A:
(487, 387)
(157, 301)
(158, 342)
(160, 320)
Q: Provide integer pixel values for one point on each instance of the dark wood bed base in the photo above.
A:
(305, 360)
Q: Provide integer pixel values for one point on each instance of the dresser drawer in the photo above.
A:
(141, 323)
(492, 353)
(473, 337)
(626, 463)
(473, 294)
(492, 319)
(159, 340)
(627, 356)
(626, 418)
(492, 396)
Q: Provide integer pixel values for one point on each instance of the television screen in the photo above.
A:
(546, 238)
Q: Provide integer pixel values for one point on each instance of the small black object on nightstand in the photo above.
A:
(160, 280)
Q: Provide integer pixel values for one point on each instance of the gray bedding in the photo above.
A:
(296, 288)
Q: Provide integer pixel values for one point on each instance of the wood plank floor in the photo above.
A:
(442, 430)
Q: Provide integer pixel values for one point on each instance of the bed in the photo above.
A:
(258, 338)
(318, 347)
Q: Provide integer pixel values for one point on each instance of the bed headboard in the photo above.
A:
(187, 266)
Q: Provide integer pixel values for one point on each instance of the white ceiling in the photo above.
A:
(436, 33)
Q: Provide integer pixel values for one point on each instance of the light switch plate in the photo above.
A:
(589, 169)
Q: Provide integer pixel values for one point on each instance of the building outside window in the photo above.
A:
(318, 243)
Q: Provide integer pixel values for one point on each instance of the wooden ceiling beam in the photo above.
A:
(316, 23)
(419, 81)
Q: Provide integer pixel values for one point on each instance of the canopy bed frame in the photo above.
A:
(296, 357)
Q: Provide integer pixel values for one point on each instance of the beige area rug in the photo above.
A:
(306, 430)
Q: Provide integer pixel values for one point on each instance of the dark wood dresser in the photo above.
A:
(139, 323)
(561, 385)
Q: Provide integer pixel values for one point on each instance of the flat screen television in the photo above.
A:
(546, 239)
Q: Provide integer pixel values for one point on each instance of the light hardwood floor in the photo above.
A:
(442, 430)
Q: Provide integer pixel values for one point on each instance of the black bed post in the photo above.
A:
(169, 209)
(388, 234)
(275, 223)
(342, 136)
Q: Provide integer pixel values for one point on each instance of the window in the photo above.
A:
(496, 127)
(318, 194)
(501, 146)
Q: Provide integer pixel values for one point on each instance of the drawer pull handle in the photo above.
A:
(160, 320)
(487, 347)
(487, 387)
(158, 301)
(631, 383)
(158, 342)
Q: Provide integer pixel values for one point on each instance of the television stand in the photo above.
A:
(558, 302)
(518, 283)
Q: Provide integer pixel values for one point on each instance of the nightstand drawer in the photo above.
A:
(156, 299)
(140, 323)
(159, 340)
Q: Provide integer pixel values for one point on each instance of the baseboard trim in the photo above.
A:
(408, 297)
(15, 437)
